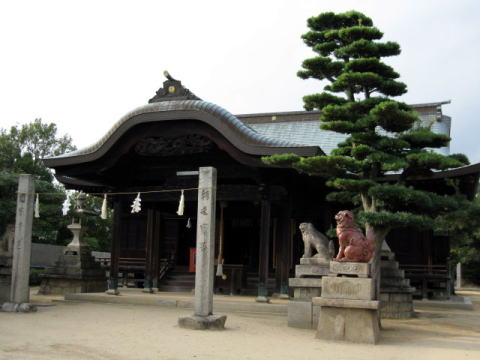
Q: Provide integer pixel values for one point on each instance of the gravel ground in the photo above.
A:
(116, 331)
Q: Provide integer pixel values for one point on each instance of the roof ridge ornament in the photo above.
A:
(172, 90)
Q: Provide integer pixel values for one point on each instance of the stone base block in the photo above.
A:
(62, 286)
(5, 277)
(194, 322)
(348, 288)
(314, 270)
(303, 314)
(314, 261)
(347, 303)
(315, 315)
(350, 268)
(396, 305)
(305, 282)
(306, 293)
(14, 307)
(300, 314)
(354, 325)
(4, 290)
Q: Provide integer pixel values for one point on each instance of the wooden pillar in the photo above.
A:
(115, 249)
(283, 250)
(149, 255)
(263, 261)
(156, 249)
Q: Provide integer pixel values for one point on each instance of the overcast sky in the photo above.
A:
(84, 64)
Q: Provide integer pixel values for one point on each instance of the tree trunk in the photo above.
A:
(378, 235)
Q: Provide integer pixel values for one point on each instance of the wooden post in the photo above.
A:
(264, 249)
(115, 252)
(147, 283)
(156, 249)
(284, 249)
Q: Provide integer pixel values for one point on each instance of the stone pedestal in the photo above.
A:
(73, 274)
(212, 322)
(75, 271)
(395, 291)
(5, 278)
(307, 284)
(6, 257)
(349, 310)
(349, 320)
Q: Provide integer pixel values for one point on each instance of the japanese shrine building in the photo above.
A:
(259, 206)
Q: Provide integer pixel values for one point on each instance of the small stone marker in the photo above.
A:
(203, 317)
(20, 291)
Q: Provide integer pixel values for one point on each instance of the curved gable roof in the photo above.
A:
(234, 130)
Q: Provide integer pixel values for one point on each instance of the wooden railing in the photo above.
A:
(438, 271)
(131, 264)
(429, 280)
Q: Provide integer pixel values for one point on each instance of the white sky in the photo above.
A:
(84, 64)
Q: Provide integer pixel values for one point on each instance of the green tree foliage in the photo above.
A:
(384, 135)
(464, 226)
(22, 149)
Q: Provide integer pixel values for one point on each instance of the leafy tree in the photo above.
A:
(383, 135)
(464, 226)
(21, 151)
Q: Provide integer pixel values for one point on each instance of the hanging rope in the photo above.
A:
(125, 192)
(136, 205)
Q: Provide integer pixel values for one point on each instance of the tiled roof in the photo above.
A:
(302, 127)
(214, 115)
(306, 132)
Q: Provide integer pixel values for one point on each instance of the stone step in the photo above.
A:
(392, 282)
(388, 264)
(388, 272)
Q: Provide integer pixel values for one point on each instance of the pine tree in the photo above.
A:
(383, 135)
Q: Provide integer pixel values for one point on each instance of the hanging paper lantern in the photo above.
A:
(137, 204)
(181, 205)
(104, 213)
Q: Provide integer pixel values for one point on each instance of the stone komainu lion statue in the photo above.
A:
(353, 245)
(312, 238)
